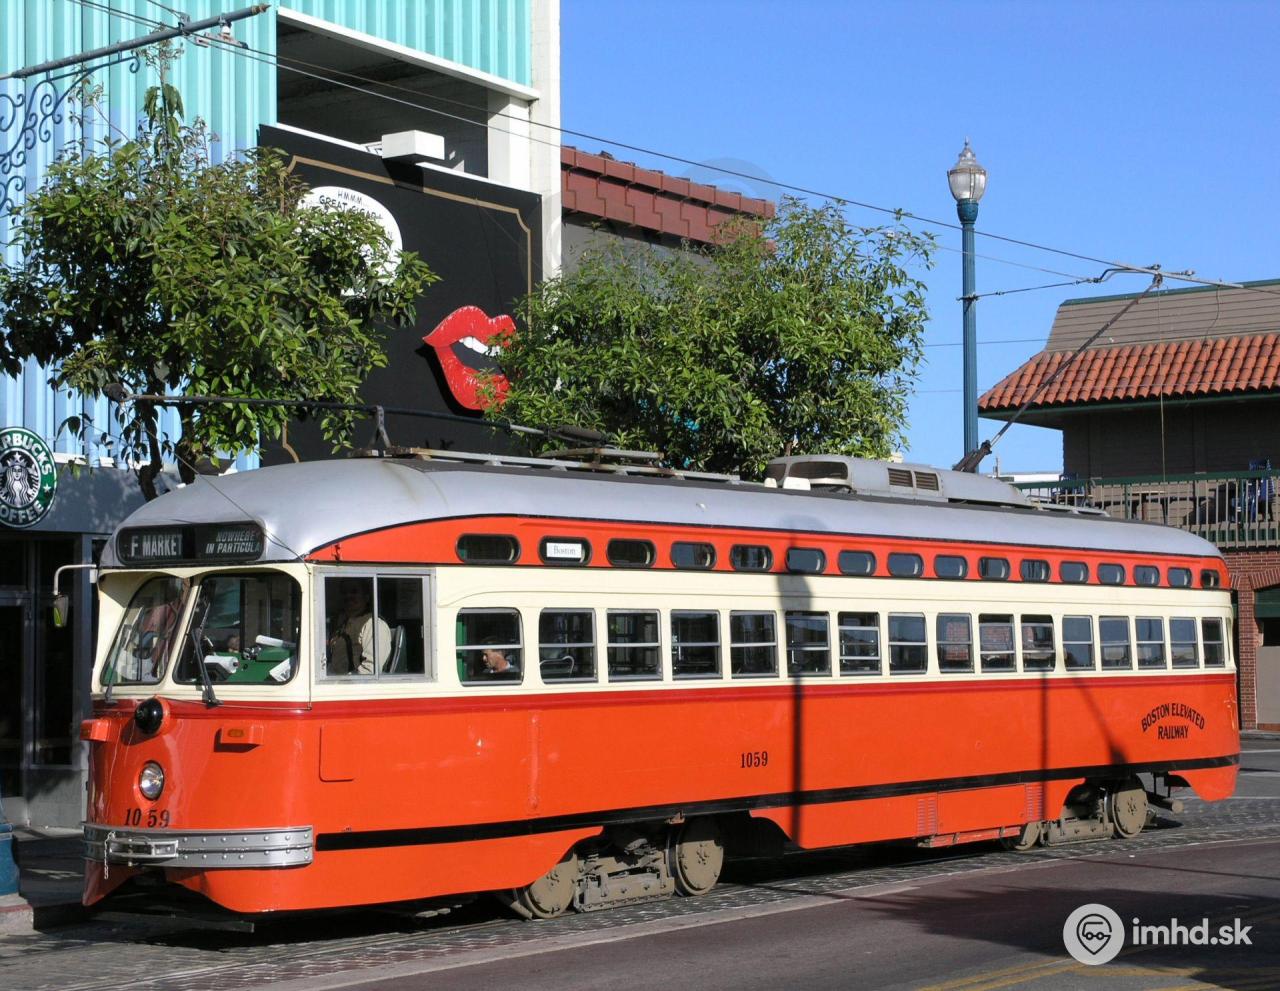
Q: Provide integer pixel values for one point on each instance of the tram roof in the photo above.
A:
(303, 507)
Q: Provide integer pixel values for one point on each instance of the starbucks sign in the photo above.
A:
(28, 477)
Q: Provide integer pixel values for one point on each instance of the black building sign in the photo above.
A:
(482, 239)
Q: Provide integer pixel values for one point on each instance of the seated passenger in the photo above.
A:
(497, 664)
(351, 642)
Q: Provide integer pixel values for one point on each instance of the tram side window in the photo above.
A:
(908, 647)
(624, 553)
(806, 560)
(696, 557)
(950, 566)
(859, 643)
(1073, 572)
(1146, 574)
(249, 627)
(567, 645)
(489, 646)
(1185, 652)
(1215, 647)
(1209, 579)
(1037, 643)
(1179, 577)
(857, 563)
(995, 642)
(1077, 642)
(753, 644)
(1117, 650)
(1034, 571)
(1150, 630)
(695, 644)
(750, 557)
(906, 565)
(373, 626)
(634, 652)
(808, 644)
(955, 643)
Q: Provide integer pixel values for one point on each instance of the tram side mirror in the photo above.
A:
(61, 610)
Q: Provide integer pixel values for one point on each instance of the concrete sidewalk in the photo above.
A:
(50, 879)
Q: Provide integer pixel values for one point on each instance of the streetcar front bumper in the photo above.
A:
(201, 848)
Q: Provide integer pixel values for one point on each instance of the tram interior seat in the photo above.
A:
(397, 659)
(557, 665)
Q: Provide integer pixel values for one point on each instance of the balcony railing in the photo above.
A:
(1233, 510)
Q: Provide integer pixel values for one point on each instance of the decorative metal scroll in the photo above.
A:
(29, 118)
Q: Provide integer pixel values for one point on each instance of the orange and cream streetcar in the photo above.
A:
(579, 683)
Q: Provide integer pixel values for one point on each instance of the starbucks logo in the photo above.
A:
(28, 477)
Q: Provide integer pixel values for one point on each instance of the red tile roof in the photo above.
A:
(1176, 369)
(603, 187)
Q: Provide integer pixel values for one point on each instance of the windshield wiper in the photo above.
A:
(197, 635)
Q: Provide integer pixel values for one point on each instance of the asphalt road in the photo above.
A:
(968, 919)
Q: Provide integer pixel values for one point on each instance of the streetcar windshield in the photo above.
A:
(146, 634)
(245, 627)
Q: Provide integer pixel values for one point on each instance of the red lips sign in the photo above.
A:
(466, 342)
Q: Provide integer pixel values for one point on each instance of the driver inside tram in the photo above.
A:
(355, 635)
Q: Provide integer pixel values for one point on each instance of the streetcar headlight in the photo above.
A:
(151, 780)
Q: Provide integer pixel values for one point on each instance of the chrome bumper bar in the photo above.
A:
(203, 848)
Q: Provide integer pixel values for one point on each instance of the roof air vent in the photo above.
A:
(927, 481)
(900, 476)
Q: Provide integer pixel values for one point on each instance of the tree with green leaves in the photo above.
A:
(797, 335)
(145, 263)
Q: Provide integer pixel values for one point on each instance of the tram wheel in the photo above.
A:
(1026, 840)
(699, 857)
(552, 894)
(1128, 809)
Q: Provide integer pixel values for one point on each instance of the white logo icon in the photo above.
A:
(1093, 934)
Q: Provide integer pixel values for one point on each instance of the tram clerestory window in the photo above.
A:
(993, 569)
(566, 645)
(1033, 570)
(857, 563)
(1111, 574)
(1073, 572)
(694, 557)
(1146, 574)
(753, 644)
(906, 565)
(1113, 631)
(247, 625)
(750, 557)
(955, 643)
(147, 634)
(995, 642)
(808, 645)
(859, 643)
(489, 647)
(633, 646)
(1179, 577)
(806, 560)
(950, 566)
(1038, 653)
(695, 644)
(908, 649)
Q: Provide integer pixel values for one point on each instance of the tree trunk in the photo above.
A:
(147, 473)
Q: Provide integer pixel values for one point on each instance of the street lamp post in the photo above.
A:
(968, 181)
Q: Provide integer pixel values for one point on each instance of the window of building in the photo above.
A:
(859, 643)
(1073, 572)
(1077, 642)
(695, 644)
(950, 566)
(626, 553)
(750, 557)
(753, 644)
(489, 646)
(1184, 650)
(906, 565)
(1111, 574)
(993, 569)
(808, 643)
(806, 560)
(1034, 571)
(1179, 577)
(1209, 579)
(1215, 646)
(1038, 652)
(857, 563)
(1146, 574)
(488, 548)
(565, 551)
(1117, 647)
(995, 642)
(1150, 631)
(955, 643)
(567, 645)
(695, 557)
(373, 626)
(633, 650)
(908, 647)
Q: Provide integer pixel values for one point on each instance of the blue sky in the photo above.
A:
(1136, 132)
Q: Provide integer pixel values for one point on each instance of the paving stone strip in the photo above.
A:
(167, 955)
